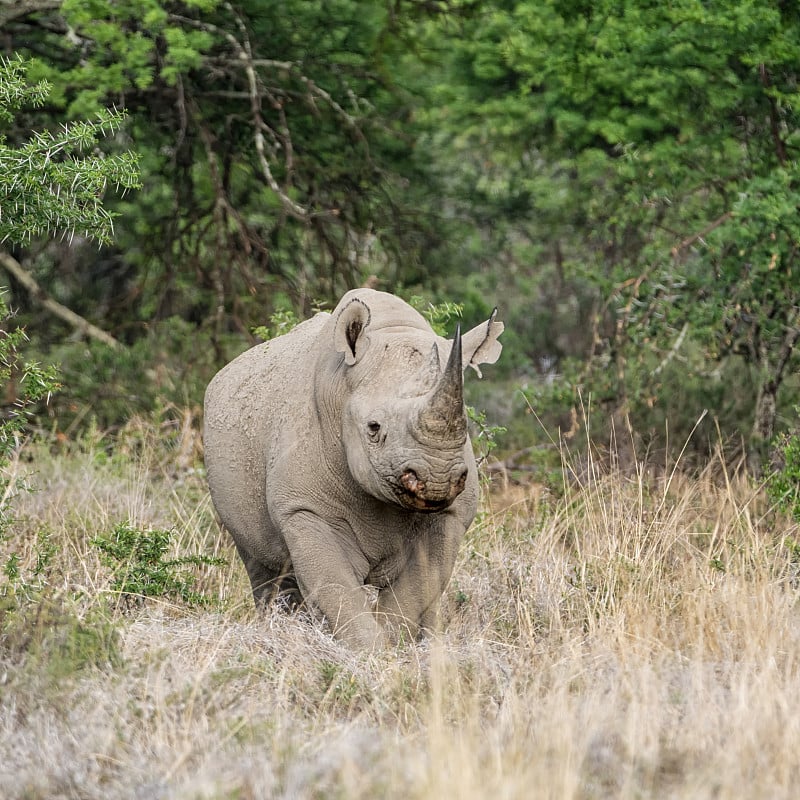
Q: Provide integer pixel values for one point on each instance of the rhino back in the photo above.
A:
(254, 408)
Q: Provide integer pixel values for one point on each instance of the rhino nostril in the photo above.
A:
(411, 482)
(457, 486)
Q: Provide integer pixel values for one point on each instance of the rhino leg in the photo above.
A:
(330, 573)
(270, 584)
(411, 601)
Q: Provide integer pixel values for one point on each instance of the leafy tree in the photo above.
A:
(278, 151)
(649, 150)
(276, 145)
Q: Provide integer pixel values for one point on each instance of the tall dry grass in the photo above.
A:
(630, 635)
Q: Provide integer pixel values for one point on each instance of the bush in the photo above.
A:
(783, 484)
(29, 383)
(140, 568)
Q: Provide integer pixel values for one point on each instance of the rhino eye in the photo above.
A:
(373, 431)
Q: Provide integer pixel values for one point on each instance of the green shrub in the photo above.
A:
(32, 383)
(54, 639)
(783, 484)
(140, 567)
(440, 316)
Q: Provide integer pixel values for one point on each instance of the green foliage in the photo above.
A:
(619, 178)
(783, 483)
(106, 387)
(140, 567)
(650, 154)
(24, 586)
(273, 169)
(33, 384)
(45, 628)
(486, 438)
(54, 640)
(281, 322)
(439, 315)
(341, 686)
(44, 185)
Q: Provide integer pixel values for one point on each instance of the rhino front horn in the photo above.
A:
(442, 417)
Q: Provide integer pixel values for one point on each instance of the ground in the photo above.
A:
(627, 635)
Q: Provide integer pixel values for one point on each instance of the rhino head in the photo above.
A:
(403, 422)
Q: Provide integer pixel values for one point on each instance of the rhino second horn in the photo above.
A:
(442, 417)
(431, 372)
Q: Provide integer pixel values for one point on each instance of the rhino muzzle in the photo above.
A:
(422, 495)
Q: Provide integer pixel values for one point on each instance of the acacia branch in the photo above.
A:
(82, 325)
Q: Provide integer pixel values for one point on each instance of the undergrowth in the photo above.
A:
(630, 632)
(140, 566)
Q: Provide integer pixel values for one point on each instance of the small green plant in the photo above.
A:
(282, 321)
(486, 438)
(140, 567)
(27, 584)
(341, 686)
(54, 639)
(32, 383)
(783, 484)
(439, 315)
(23, 588)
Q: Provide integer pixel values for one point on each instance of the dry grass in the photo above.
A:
(631, 636)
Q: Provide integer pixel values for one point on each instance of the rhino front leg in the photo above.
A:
(411, 601)
(330, 572)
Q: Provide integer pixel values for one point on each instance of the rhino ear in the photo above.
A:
(480, 345)
(349, 336)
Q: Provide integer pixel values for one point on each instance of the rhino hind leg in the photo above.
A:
(269, 584)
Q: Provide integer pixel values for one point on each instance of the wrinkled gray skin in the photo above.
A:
(338, 457)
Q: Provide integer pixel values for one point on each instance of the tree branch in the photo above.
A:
(62, 312)
(673, 351)
(245, 59)
(787, 348)
(689, 240)
(13, 9)
(256, 91)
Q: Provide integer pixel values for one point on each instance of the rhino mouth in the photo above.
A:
(414, 493)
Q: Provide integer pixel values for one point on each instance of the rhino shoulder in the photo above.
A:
(260, 375)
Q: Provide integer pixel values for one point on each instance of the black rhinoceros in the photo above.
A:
(338, 457)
